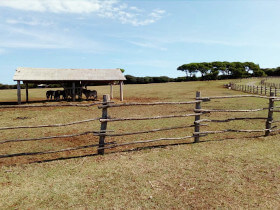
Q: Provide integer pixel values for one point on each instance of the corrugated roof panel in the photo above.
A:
(48, 74)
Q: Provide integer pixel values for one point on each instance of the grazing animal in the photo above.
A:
(90, 93)
(59, 93)
(50, 94)
(68, 94)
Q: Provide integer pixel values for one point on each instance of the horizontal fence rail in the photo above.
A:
(96, 133)
(104, 132)
(149, 118)
(49, 126)
(149, 104)
(224, 110)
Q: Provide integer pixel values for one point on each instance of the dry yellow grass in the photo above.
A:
(219, 173)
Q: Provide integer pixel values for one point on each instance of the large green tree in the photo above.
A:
(213, 70)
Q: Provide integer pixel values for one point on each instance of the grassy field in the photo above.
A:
(224, 171)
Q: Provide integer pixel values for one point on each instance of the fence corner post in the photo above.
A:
(103, 128)
(270, 115)
(197, 118)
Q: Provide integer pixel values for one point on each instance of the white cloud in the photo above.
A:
(112, 9)
(55, 6)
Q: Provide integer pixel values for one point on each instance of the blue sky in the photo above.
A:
(145, 37)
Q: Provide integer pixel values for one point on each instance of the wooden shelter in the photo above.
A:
(68, 77)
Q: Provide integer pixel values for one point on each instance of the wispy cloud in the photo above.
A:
(35, 39)
(156, 63)
(148, 45)
(167, 40)
(112, 9)
(31, 22)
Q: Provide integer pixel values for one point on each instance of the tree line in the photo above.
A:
(22, 86)
(216, 70)
(226, 70)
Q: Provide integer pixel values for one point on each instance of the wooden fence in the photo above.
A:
(260, 90)
(197, 124)
(266, 87)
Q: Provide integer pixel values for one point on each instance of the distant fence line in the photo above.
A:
(198, 112)
(261, 90)
(265, 82)
(266, 87)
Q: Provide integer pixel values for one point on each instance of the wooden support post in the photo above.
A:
(257, 89)
(254, 89)
(275, 90)
(73, 91)
(111, 91)
(103, 128)
(196, 124)
(265, 90)
(270, 115)
(245, 89)
(270, 90)
(18, 92)
(26, 91)
(261, 90)
(121, 90)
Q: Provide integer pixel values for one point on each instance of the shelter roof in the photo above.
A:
(51, 74)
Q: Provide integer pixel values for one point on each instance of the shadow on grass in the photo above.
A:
(41, 101)
(142, 149)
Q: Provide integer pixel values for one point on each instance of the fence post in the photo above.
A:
(270, 115)
(265, 89)
(275, 90)
(103, 128)
(270, 90)
(197, 117)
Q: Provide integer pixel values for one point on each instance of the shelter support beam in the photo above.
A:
(18, 92)
(74, 91)
(121, 90)
(111, 91)
(26, 90)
